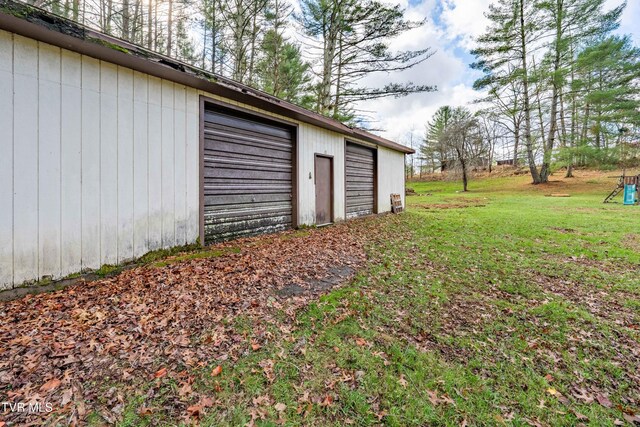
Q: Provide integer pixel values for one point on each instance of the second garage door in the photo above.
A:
(360, 180)
(247, 175)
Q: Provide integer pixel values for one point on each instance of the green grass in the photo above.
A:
(473, 311)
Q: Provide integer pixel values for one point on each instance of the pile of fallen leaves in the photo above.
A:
(63, 348)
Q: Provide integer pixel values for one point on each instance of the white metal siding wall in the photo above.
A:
(390, 177)
(98, 163)
(317, 140)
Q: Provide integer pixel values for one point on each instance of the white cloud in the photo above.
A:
(465, 20)
(629, 20)
(398, 116)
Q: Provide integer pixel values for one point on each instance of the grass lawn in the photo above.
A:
(497, 306)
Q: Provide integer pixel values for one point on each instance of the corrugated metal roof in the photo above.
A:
(35, 23)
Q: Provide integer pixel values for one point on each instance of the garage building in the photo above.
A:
(109, 151)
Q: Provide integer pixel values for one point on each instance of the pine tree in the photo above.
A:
(570, 23)
(503, 56)
(351, 40)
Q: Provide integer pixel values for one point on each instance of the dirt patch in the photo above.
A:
(632, 241)
(335, 276)
(563, 230)
(151, 322)
(611, 265)
(449, 206)
(456, 203)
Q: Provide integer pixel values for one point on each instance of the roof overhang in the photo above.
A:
(34, 23)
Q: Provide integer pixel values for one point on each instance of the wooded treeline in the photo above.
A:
(317, 58)
(561, 88)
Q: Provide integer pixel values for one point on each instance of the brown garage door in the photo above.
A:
(360, 176)
(247, 176)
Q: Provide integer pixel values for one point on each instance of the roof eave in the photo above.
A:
(49, 28)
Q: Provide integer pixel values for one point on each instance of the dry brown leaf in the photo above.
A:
(328, 400)
(206, 402)
(603, 400)
(50, 385)
(402, 381)
(160, 373)
(145, 411)
(195, 410)
(280, 407)
(583, 395)
(185, 390)
(433, 397)
(67, 395)
(581, 417)
(216, 371)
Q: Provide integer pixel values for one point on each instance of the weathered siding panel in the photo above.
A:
(108, 163)
(71, 164)
(180, 171)
(6, 159)
(192, 161)
(49, 152)
(90, 195)
(88, 177)
(155, 163)
(390, 177)
(25, 158)
(168, 166)
(125, 164)
(140, 165)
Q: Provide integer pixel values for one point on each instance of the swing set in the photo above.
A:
(628, 184)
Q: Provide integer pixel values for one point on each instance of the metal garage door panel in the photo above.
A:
(360, 179)
(247, 177)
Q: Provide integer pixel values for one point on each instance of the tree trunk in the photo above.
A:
(569, 173)
(527, 107)
(76, 10)
(126, 19)
(149, 24)
(548, 147)
(170, 28)
(336, 105)
(563, 123)
(254, 36)
(214, 35)
(465, 179)
(516, 144)
(574, 119)
(331, 32)
(155, 25)
(463, 165)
